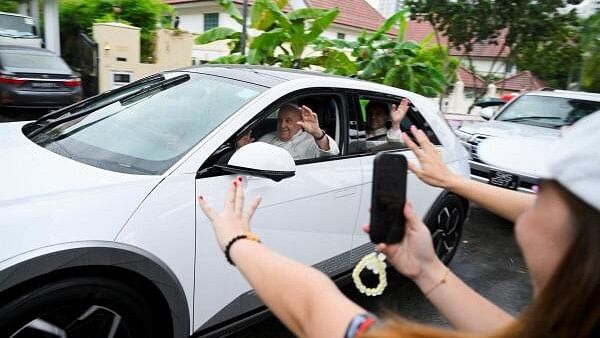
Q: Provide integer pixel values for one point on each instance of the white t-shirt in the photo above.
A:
(302, 145)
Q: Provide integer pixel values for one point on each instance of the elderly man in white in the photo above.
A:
(299, 133)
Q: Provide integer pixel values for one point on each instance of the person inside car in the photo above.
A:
(377, 117)
(558, 231)
(299, 133)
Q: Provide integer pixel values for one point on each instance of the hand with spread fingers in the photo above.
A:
(233, 220)
(398, 112)
(310, 122)
(432, 169)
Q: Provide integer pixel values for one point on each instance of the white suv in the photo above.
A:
(540, 115)
(98, 215)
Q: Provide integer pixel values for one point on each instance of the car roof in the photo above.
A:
(262, 75)
(569, 94)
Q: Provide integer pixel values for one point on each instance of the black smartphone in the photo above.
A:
(387, 198)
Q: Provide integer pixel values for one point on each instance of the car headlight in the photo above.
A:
(463, 136)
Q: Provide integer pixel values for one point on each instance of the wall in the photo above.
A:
(119, 53)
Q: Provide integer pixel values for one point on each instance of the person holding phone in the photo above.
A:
(558, 231)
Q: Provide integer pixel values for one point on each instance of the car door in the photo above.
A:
(309, 217)
(421, 195)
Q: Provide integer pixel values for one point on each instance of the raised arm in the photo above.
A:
(303, 298)
(432, 170)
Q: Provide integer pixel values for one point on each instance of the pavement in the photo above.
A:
(488, 260)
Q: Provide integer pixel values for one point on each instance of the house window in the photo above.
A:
(341, 36)
(211, 20)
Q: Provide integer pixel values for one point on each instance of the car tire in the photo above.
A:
(445, 221)
(90, 307)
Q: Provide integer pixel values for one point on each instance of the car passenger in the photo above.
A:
(299, 133)
(377, 117)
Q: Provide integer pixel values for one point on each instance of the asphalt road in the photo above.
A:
(488, 260)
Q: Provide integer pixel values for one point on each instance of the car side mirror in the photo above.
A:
(487, 112)
(262, 160)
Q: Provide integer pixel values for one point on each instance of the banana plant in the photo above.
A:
(420, 67)
(282, 37)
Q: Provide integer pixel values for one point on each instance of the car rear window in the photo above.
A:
(18, 62)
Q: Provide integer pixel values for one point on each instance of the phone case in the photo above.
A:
(387, 198)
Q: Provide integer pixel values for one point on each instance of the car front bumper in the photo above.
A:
(35, 99)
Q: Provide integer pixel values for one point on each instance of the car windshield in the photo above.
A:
(546, 111)
(148, 133)
(16, 25)
(25, 60)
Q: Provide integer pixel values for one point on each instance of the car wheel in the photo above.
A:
(445, 221)
(90, 307)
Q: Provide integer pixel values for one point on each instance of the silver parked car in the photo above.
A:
(540, 115)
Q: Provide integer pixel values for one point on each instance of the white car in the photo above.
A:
(98, 216)
(539, 115)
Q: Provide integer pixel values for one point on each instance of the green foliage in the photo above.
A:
(538, 34)
(590, 45)
(9, 6)
(78, 15)
(420, 67)
(284, 39)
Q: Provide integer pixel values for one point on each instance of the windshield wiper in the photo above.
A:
(164, 84)
(524, 118)
(90, 100)
(161, 85)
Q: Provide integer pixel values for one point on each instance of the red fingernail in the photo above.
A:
(235, 183)
(240, 178)
(201, 197)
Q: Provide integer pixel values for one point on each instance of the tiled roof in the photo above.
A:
(469, 79)
(524, 80)
(250, 2)
(353, 13)
(418, 30)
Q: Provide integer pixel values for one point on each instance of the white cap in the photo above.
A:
(573, 160)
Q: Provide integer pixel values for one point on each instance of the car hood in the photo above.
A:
(48, 199)
(507, 129)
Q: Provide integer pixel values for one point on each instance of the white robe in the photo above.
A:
(302, 145)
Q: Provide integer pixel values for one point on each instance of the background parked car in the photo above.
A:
(540, 115)
(113, 216)
(36, 78)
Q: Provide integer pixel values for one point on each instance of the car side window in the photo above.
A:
(280, 127)
(371, 128)
(264, 128)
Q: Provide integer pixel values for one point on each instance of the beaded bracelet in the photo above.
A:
(248, 235)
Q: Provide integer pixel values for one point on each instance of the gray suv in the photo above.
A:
(540, 115)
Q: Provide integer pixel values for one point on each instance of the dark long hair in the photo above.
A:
(569, 305)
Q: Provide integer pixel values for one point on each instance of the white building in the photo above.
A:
(387, 7)
(198, 16)
(586, 8)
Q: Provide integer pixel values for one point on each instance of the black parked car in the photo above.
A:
(36, 78)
